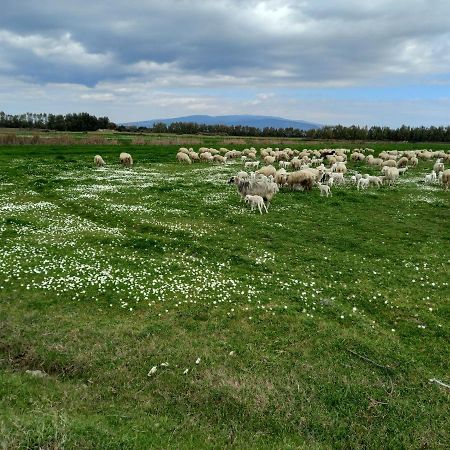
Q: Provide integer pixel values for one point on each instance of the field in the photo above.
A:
(318, 325)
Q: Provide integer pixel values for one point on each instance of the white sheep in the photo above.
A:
(325, 190)
(256, 200)
(363, 183)
(251, 164)
(98, 161)
(338, 178)
(431, 177)
(126, 159)
(183, 157)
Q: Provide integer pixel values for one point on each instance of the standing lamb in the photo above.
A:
(324, 190)
(445, 179)
(256, 200)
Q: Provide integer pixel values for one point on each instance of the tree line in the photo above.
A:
(59, 122)
(337, 132)
(87, 122)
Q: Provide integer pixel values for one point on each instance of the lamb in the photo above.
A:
(445, 179)
(402, 171)
(260, 185)
(256, 200)
(431, 177)
(338, 178)
(374, 181)
(363, 183)
(98, 161)
(284, 164)
(126, 159)
(324, 190)
(183, 157)
(251, 164)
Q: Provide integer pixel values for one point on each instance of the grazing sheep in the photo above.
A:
(402, 162)
(183, 157)
(269, 160)
(324, 190)
(445, 179)
(391, 174)
(183, 150)
(374, 161)
(256, 200)
(302, 179)
(126, 159)
(403, 170)
(414, 161)
(219, 159)
(267, 171)
(389, 163)
(98, 161)
(194, 156)
(206, 156)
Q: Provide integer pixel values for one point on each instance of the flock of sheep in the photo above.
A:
(322, 168)
(302, 170)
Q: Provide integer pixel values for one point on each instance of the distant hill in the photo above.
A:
(243, 120)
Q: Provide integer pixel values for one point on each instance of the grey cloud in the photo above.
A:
(274, 41)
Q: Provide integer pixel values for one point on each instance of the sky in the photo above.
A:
(350, 62)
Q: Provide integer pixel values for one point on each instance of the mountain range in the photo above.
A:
(233, 120)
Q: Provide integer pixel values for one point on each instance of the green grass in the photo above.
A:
(335, 310)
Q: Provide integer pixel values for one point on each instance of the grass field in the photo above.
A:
(318, 325)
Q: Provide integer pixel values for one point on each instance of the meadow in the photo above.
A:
(166, 315)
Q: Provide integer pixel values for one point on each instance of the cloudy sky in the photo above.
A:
(351, 62)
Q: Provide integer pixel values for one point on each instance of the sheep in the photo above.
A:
(402, 171)
(374, 161)
(269, 160)
(402, 162)
(445, 179)
(256, 200)
(391, 174)
(414, 161)
(98, 161)
(302, 179)
(338, 178)
(126, 159)
(206, 156)
(284, 164)
(183, 150)
(219, 159)
(281, 177)
(194, 156)
(251, 164)
(363, 183)
(183, 157)
(296, 163)
(260, 185)
(267, 171)
(389, 163)
(324, 190)
(374, 181)
(431, 177)
(438, 166)
(339, 167)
